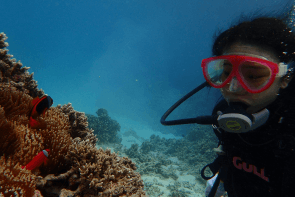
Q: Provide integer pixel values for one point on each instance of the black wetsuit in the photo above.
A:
(259, 163)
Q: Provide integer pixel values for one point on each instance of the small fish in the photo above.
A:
(40, 105)
(37, 160)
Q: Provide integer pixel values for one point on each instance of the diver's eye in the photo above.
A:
(253, 77)
(256, 77)
(225, 73)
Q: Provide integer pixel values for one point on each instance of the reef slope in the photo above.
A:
(75, 167)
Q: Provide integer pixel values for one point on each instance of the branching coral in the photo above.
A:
(75, 167)
(78, 124)
(94, 172)
(105, 172)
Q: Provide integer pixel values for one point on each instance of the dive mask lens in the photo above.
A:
(254, 74)
(218, 71)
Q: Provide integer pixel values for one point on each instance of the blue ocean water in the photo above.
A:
(134, 58)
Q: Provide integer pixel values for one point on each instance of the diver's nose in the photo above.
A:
(235, 86)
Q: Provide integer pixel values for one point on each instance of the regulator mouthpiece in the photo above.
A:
(235, 119)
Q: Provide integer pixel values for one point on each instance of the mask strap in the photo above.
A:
(283, 69)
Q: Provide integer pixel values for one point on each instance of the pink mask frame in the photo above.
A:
(236, 61)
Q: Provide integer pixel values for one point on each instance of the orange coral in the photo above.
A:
(15, 181)
(75, 167)
(105, 172)
(18, 141)
(78, 124)
(57, 139)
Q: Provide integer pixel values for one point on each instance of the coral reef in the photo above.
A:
(75, 167)
(169, 159)
(78, 124)
(104, 127)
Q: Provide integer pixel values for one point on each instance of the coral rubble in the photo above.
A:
(75, 167)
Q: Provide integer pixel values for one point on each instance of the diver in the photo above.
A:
(252, 65)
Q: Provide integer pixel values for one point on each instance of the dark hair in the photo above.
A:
(270, 33)
(262, 32)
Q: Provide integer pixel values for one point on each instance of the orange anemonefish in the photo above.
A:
(40, 105)
(37, 160)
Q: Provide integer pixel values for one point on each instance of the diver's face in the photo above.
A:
(234, 92)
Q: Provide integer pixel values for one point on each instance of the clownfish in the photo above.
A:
(40, 105)
(37, 160)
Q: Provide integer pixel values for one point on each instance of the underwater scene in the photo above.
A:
(84, 85)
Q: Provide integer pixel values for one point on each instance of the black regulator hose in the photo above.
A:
(198, 120)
